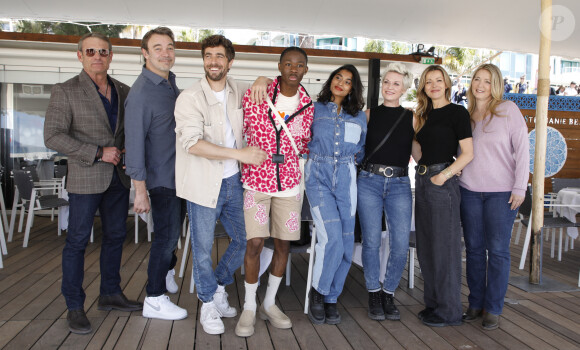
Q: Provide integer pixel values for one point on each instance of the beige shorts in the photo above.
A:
(283, 211)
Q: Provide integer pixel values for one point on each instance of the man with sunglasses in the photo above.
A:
(150, 142)
(84, 121)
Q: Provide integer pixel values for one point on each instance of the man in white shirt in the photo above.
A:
(571, 90)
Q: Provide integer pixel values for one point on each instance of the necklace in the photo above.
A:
(107, 91)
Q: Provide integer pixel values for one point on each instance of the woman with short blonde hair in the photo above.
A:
(384, 187)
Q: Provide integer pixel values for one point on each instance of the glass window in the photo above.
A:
(23, 110)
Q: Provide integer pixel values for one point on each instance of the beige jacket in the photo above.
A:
(199, 116)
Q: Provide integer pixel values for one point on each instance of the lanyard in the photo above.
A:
(274, 95)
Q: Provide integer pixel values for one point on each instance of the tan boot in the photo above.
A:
(276, 317)
(245, 326)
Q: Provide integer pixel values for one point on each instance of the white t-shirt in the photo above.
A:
(570, 92)
(230, 165)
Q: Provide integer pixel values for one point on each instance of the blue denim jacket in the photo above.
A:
(339, 135)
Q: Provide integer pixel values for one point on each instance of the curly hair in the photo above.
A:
(218, 40)
(354, 102)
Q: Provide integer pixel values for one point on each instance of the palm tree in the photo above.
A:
(461, 61)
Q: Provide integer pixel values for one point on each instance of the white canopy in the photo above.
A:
(509, 25)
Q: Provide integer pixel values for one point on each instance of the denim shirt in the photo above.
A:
(150, 130)
(337, 135)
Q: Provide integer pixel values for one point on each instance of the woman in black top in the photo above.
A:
(384, 186)
(440, 128)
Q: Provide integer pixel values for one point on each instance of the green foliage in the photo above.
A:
(375, 46)
(187, 35)
(458, 59)
(411, 95)
(65, 28)
(463, 61)
(399, 48)
(195, 35)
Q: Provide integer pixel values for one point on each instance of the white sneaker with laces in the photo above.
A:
(210, 319)
(170, 284)
(162, 308)
(220, 299)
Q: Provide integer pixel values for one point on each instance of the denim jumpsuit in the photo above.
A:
(330, 178)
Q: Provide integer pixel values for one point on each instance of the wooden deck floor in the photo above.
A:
(33, 312)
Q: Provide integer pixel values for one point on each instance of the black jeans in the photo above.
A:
(437, 222)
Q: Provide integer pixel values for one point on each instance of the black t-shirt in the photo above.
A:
(396, 150)
(440, 136)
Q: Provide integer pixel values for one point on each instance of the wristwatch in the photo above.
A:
(99, 156)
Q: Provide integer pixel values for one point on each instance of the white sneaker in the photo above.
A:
(170, 284)
(210, 319)
(220, 300)
(162, 308)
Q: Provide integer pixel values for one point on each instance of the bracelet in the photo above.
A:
(447, 173)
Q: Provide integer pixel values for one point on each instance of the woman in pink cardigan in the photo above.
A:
(492, 188)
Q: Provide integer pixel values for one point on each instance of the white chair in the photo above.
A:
(312, 253)
(3, 221)
(549, 222)
(411, 268)
(3, 209)
(3, 250)
(34, 201)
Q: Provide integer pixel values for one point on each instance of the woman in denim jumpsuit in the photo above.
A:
(338, 134)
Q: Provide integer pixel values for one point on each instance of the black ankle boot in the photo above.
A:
(316, 312)
(331, 313)
(389, 307)
(376, 306)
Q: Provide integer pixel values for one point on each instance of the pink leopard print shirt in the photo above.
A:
(259, 131)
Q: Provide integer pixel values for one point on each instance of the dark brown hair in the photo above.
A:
(218, 40)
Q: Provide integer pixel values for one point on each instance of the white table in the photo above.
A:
(569, 198)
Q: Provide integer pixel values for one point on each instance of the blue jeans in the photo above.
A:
(113, 204)
(166, 209)
(331, 191)
(202, 221)
(487, 228)
(376, 194)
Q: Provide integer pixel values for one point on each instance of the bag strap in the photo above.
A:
(283, 123)
(385, 138)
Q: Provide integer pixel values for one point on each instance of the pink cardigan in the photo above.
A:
(501, 161)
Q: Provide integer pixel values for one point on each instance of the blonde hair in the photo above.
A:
(398, 67)
(424, 103)
(497, 90)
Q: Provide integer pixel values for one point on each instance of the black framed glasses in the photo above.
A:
(102, 52)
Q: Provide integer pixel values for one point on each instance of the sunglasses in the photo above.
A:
(92, 52)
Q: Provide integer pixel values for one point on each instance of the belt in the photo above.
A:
(424, 169)
(386, 170)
